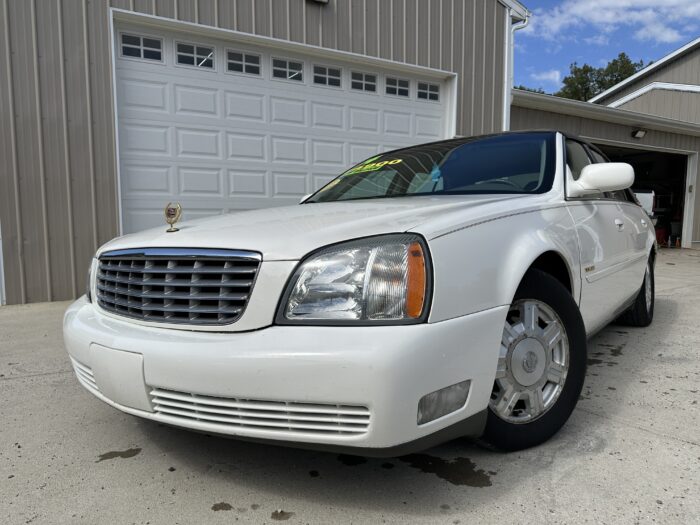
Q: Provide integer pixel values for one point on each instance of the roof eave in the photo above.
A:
(576, 108)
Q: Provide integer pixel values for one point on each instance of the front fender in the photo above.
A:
(481, 266)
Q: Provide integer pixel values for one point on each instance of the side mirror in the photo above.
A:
(305, 197)
(608, 176)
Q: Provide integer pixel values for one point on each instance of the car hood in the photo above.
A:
(290, 232)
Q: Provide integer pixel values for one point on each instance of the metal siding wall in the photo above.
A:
(677, 105)
(685, 70)
(58, 189)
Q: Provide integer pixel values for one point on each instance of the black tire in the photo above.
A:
(639, 314)
(509, 436)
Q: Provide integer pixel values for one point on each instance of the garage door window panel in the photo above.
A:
(427, 91)
(195, 55)
(242, 62)
(363, 81)
(287, 69)
(143, 47)
(398, 87)
(327, 76)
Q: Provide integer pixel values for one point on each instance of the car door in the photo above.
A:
(603, 245)
(635, 228)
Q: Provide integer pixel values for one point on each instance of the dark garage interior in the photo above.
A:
(664, 174)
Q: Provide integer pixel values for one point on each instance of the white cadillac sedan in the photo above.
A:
(427, 293)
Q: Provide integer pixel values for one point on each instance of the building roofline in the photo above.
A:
(649, 69)
(518, 10)
(526, 99)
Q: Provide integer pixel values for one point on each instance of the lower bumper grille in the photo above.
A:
(281, 416)
(84, 374)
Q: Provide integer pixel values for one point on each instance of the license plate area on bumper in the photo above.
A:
(119, 376)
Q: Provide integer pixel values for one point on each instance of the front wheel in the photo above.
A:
(541, 366)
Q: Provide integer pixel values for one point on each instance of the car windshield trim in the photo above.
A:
(505, 164)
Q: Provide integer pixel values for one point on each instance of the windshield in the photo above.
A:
(515, 163)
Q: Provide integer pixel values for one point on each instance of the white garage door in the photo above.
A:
(221, 126)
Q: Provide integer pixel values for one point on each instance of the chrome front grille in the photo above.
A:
(273, 416)
(169, 285)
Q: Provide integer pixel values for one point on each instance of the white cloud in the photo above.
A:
(655, 21)
(553, 76)
(597, 40)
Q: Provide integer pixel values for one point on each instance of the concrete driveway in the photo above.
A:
(630, 453)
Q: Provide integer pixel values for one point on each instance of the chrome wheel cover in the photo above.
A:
(532, 364)
(648, 294)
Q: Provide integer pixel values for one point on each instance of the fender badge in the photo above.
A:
(589, 268)
(173, 211)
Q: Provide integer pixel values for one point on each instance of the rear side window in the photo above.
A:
(576, 158)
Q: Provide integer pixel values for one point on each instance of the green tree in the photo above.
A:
(584, 82)
(533, 90)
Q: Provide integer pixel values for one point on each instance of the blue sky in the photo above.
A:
(595, 31)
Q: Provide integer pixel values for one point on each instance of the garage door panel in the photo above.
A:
(245, 106)
(288, 111)
(327, 115)
(218, 141)
(328, 153)
(201, 182)
(145, 139)
(428, 127)
(196, 101)
(143, 95)
(251, 183)
(246, 146)
(363, 120)
(397, 123)
(198, 143)
(151, 180)
(289, 184)
(288, 149)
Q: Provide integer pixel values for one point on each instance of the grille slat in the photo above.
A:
(267, 415)
(198, 286)
(201, 296)
(84, 375)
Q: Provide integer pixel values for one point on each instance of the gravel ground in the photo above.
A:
(629, 454)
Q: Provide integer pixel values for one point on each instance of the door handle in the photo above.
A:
(620, 225)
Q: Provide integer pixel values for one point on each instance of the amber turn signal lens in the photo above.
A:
(415, 282)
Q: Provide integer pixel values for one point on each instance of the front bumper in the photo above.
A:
(384, 370)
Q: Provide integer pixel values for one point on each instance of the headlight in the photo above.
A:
(376, 280)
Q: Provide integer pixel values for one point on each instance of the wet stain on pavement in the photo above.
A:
(458, 471)
(125, 454)
(592, 361)
(280, 515)
(216, 507)
(615, 350)
(387, 465)
(314, 473)
(255, 506)
(351, 461)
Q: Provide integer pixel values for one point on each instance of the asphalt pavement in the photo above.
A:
(629, 454)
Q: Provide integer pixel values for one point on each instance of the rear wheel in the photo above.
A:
(641, 313)
(541, 366)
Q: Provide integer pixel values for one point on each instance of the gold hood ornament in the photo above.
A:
(173, 211)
